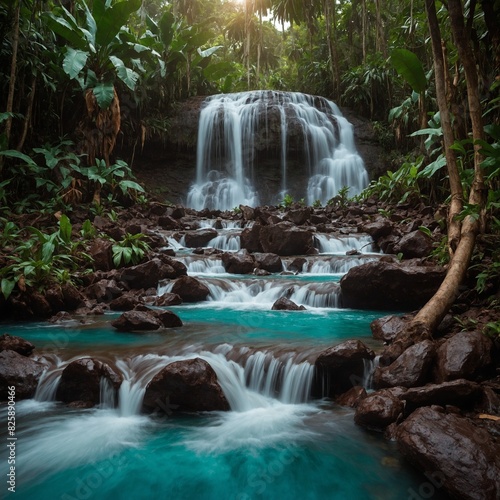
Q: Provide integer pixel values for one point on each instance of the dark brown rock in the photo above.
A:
(378, 228)
(459, 457)
(352, 397)
(125, 302)
(21, 372)
(341, 367)
(388, 327)
(465, 355)
(282, 239)
(299, 216)
(268, 262)
(149, 273)
(411, 369)
(131, 321)
(168, 319)
(284, 304)
(168, 222)
(199, 238)
(414, 245)
(189, 385)
(297, 265)
(17, 344)
(462, 393)
(378, 410)
(102, 254)
(167, 299)
(238, 263)
(103, 291)
(190, 289)
(404, 286)
(81, 380)
(250, 238)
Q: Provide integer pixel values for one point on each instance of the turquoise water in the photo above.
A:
(274, 443)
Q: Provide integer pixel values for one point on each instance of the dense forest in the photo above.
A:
(80, 78)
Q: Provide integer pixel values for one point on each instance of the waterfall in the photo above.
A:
(233, 127)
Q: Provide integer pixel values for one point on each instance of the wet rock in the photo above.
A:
(388, 327)
(238, 263)
(297, 265)
(299, 216)
(452, 452)
(352, 397)
(250, 238)
(199, 238)
(284, 304)
(411, 369)
(189, 385)
(268, 262)
(17, 344)
(101, 252)
(341, 367)
(148, 274)
(131, 321)
(461, 393)
(378, 228)
(168, 319)
(414, 245)
(247, 212)
(103, 291)
(465, 355)
(21, 372)
(190, 289)
(168, 222)
(125, 302)
(167, 299)
(282, 239)
(81, 381)
(378, 410)
(404, 286)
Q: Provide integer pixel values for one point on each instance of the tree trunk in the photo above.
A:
(27, 116)
(429, 317)
(456, 203)
(12, 82)
(329, 13)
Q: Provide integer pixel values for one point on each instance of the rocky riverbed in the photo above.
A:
(439, 397)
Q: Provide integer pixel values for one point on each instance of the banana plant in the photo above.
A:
(101, 50)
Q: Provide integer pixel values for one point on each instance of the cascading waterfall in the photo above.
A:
(228, 127)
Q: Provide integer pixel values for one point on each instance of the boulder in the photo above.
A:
(378, 410)
(168, 319)
(283, 239)
(284, 304)
(297, 265)
(299, 216)
(167, 299)
(414, 245)
(411, 369)
(21, 372)
(131, 321)
(189, 385)
(103, 291)
(465, 355)
(238, 263)
(378, 228)
(17, 344)
(461, 393)
(81, 381)
(388, 327)
(352, 397)
(452, 452)
(250, 238)
(405, 287)
(268, 262)
(341, 367)
(199, 238)
(125, 302)
(168, 222)
(190, 289)
(101, 252)
(148, 274)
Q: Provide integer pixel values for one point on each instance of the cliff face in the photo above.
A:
(170, 168)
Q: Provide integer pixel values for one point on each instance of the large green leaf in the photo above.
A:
(110, 20)
(69, 31)
(126, 75)
(104, 93)
(218, 70)
(74, 61)
(167, 29)
(408, 65)
(12, 153)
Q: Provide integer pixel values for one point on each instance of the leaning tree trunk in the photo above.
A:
(456, 202)
(100, 129)
(429, 317)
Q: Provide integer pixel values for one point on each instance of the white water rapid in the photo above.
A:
(231, 124)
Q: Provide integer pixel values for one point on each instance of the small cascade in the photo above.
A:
(197, 265)
(107, 394)
(370, 365)
(227, 242)
(326, 243)
(233, 127)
